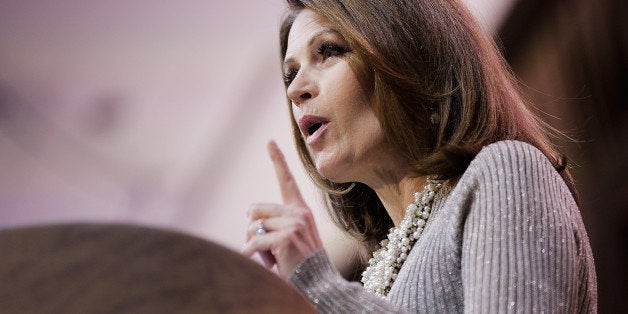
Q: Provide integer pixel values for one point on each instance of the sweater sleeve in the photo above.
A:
(321, 283)
(521, 240)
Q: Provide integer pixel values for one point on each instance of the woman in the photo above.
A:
(390, 98)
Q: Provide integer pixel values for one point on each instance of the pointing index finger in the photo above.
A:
(290, 192)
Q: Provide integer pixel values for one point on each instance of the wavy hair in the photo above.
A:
(441, 91)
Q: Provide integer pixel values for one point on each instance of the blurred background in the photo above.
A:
(158, 113)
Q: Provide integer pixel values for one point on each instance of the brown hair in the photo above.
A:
(418, 58)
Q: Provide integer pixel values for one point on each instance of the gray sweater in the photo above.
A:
(507, 238)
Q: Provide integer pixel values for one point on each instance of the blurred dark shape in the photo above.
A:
(19, 121)
(31, 127)
(573, 57)
(8, 104)
(10, 108)
(132, 269)
(105, 113)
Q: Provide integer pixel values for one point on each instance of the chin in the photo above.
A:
(332, 170)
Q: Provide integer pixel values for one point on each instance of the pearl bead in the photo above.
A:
(386, 262)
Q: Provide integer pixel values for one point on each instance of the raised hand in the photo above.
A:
(289, 233)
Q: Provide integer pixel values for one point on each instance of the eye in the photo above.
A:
(289, 76)
(328, 50)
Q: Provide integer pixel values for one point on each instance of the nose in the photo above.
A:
(302, 88)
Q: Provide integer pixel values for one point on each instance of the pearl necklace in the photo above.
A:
(386, 262)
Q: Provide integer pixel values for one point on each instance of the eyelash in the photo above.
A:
(331, 50)
(289, 76)
(327, 50)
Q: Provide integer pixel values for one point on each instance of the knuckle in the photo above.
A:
(252, 232)
(294, 238)
(300, 211)
(286, 240)
(299, 225)
(252, 211)
(292, 230)
(254, 242)
(308, 214)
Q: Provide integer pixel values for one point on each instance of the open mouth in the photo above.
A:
(312, 129)
(309, 124)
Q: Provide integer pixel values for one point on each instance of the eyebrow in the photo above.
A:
(312, 39)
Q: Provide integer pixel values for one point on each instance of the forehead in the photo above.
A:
(306, 25)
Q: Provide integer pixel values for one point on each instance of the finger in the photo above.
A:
(256, 228)
(257, 244)
(266, 256)
(260, 227)
(268, 259)
(261, 245)
(300, 236)
(264, 210)
(275, 224)
(290, 192)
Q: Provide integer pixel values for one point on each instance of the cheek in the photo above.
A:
(369, 137)
(361, 123)
(296, 114)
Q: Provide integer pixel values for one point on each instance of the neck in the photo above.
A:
(397, 193)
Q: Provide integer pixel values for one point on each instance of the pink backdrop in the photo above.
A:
(150, 112)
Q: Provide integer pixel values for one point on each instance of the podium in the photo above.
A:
(103, 268)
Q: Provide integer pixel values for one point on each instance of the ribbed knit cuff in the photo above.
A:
(322, 284)
(314, 276)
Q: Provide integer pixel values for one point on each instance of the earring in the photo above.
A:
(435, 118)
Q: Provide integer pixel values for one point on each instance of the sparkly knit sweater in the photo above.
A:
(508, 237)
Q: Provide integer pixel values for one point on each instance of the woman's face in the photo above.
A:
(333, 112)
